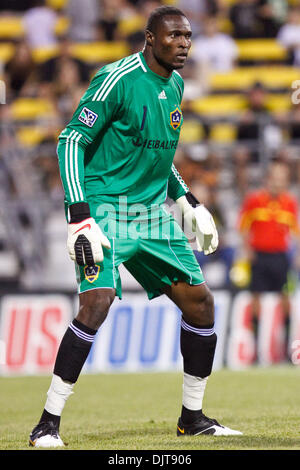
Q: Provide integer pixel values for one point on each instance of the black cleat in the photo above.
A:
(45, 435)
(205, 425)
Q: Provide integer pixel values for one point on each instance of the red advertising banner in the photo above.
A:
(31, 330)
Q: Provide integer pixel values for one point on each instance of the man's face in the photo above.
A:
(210, 27)
(278, 179)
(172, 41)
(257, 98)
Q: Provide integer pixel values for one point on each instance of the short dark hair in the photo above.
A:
(159, 13)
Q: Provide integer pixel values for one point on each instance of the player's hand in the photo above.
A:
(206, 233)
(202, 224)
(85, 241)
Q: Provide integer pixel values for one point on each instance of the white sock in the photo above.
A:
(193, 391)
(57, 395)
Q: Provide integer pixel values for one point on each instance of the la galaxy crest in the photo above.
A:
(91, 273)
(175, 118)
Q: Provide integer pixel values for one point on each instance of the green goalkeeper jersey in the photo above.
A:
(123, 136)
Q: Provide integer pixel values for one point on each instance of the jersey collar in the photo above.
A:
(154, 75)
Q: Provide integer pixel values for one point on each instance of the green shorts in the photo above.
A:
(156, 256)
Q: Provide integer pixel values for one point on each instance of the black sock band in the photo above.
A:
(198, 345)
(85, 329)
(73, 351)
(206, 330)
(46, 417)
(190, 416)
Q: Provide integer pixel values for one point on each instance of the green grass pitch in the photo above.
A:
(140, 411)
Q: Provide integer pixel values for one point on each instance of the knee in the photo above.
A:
(201, 311)
(94, 307)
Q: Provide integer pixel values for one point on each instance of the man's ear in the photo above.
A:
(149, 37)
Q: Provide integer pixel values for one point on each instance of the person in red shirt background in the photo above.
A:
(268, 218)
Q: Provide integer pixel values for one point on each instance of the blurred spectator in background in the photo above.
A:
(39, 25)
(213, 51)
(200, 164)
(290, 120)
(289, 35)
(50, 70)
(108, 24)
(272, 14)
(244, 17)
(248, 126)
(248, 134)
(268, 217)
(197, 10)
(136, 42)
(19, 72)
(145, 7)
(294, 123)
(84, 17)
(7, 138)
(290, 123)
(67, 89)
(47, 166)
(217, 265)
(139, 15)
(116, 14)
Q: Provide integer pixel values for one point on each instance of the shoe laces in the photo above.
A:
(48, 427)
(210, 420)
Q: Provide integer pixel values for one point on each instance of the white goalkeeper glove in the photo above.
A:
(85, 238)
(201, 223)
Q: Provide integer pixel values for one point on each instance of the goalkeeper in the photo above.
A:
(115, 159)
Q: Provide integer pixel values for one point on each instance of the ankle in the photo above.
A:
(46, 417)
(190, 416)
